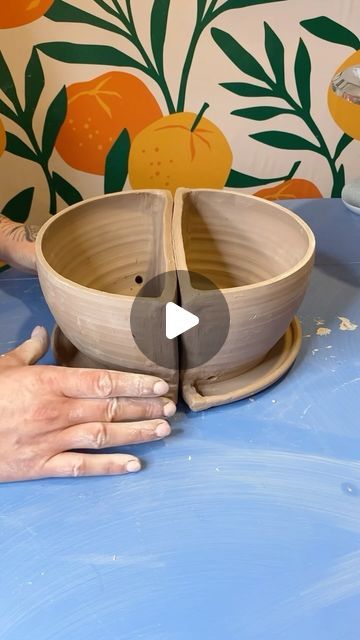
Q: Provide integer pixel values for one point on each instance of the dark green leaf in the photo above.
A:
(6, 81)
(241, 4)
(275, 53)
(260, 113)
(88, 54)
(339, 182)
(6, 111)
(247, 90)
(117, 163)
(159, 18)
(66, 191)
(303, 75)
(18, 208)
(327, 29)
(342, 144)
(18, 147)
(55, 117)
(34, 83)
(242, 180)
(284, 140)
(62, 11)
(241, 58)
(201, 6)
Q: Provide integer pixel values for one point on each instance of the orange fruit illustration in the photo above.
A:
(98, 110)
(2, 138)
(346, 114)
(180, 150)
(15, 13)
(294, 188)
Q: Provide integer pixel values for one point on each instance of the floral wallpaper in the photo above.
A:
(101, 95)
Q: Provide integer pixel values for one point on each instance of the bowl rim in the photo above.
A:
(179, 252)
(71, 284)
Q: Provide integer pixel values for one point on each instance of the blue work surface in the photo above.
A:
(243, 525)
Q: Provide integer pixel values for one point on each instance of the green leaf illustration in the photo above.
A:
(6, 111)
(241, 4)
(241, 58)
(62, 11)
(242, 180)
(34, 83)
(247, 90)
(341, 145)
(303, 75)
(159, 18)
(284, 140)
(6, 81)
(275, 53)
(88, 54)
(117, 162)
(201, 6)
(66, 191)
(55, 117)
(331, 31)
(17, 147)
(261, 113)
(339, 182)
(18, 208)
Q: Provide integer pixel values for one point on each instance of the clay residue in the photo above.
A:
(323, 331)
(346, 324)
(319, 321)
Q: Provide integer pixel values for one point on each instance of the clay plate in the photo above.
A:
(276, 363)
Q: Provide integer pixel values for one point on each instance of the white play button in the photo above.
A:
(178, 320)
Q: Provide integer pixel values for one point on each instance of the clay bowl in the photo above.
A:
(260, 256)
(92, 260)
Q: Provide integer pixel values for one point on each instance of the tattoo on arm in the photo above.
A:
(16, 231)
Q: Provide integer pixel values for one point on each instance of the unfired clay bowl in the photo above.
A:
(260, 256)
(92, 259)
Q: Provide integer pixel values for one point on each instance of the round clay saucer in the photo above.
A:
(275, 364)
(209, 394)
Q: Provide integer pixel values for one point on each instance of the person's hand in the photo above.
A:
(17, 244)
(47, 412)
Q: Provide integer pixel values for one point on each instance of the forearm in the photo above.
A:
(16, 243)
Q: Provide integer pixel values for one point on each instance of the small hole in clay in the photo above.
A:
(139, 280)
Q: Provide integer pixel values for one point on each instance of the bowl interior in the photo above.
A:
(234, 240)
(112, 244)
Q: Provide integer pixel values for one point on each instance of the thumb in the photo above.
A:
(29, 351)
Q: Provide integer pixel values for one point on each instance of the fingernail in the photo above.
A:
(169, 409)
(38, 332)
(162, 430)
(161, 387)
(133, 466)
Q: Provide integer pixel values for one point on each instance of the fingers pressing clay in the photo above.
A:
(101, 435)
(94, 383)
(86, 464)
(117, 409)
